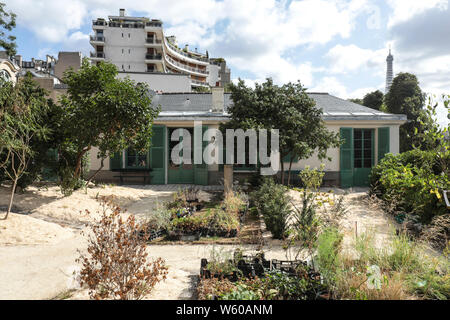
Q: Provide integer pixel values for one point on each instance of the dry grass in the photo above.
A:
(352, 284)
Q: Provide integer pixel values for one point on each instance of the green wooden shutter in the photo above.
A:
(346, 157)
(115, 161)
(383, 142)
(158, 155)
(201, 170)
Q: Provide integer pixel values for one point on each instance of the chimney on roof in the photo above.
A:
(217, 94)
(122, 12)
(18, 59)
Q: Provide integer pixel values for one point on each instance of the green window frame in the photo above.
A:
(135, 160)
(364, 151)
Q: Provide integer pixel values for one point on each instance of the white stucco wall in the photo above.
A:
(313, 162)
(95, 162)
(334, 153)
(164, 82)
(213, 74)
(133, 48)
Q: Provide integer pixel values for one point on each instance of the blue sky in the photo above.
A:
(336, 46)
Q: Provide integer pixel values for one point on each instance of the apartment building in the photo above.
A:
(138, 44)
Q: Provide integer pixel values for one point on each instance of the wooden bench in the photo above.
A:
(134, 173)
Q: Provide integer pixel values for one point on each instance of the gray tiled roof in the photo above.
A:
(189, 105)
(187, 102)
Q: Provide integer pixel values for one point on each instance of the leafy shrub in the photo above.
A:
(66, 167)
(178, 201)
(312, 178)
(221, 222)
(276, 285)
(281, 286)
(209, 288)
(214, 221)
(273, 203)
(221, 262)
(328, 247)
(335, 212)
(410, 180)
(305, 226)
(116, 265)
(235, 202)
(159, 219)
(241, 292)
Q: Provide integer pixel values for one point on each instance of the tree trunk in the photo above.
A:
(96, 172)
(77, 172)
(282, 171)
(289, 171)
(13, 190)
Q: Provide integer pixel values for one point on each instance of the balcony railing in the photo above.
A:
(153, 24)
(97, 55)
(186, 67)
(97, 38)
(99, 23)
(186, 54)
(153, 41)
(194, 81)
(136, 25)
(149, 56)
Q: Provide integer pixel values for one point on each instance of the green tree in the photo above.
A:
(7, 23)
(48, 115)
(373, 100)
(356, 100)
(201, 89)
(103, 111)
(287, 108)
(436, 138)
(20, 123)
(406, 97)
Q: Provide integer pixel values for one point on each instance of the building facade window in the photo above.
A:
(134, 159)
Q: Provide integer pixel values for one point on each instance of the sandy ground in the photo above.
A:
(37, 271)
(47, 203)
(363, 216)
(26, 230)
(38, 259)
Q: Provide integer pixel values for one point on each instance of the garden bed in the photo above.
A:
(255, 278)
(185, 219)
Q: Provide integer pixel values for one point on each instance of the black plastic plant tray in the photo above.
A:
(251, 269)
(286, 265)
(152, 234)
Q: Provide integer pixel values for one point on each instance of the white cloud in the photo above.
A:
(330, 85)
(404, 10)
(351, 58)
(50, 20)
(334, 87)
(254, 34)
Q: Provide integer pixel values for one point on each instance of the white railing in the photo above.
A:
(97, 38)
(97, 55)
(194, 81)
(185, 67)
(186, 54)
